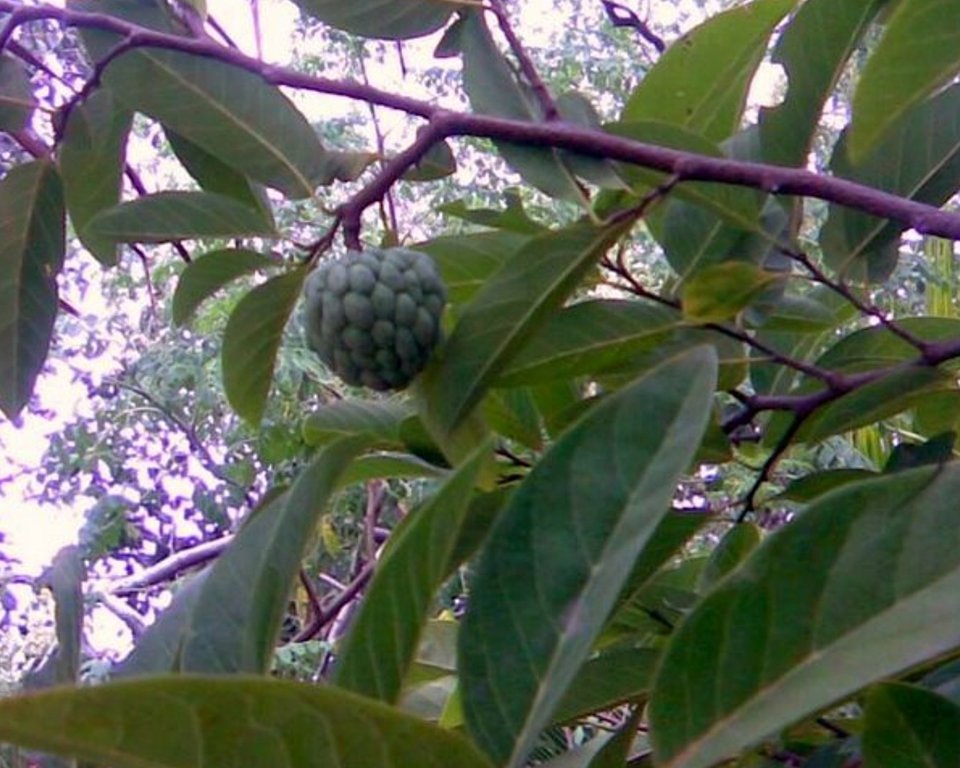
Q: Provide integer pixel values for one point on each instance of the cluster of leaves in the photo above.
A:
(574, 393)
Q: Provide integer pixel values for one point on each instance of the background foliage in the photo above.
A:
(677, 488)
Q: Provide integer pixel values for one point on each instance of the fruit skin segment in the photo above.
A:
(374, 317)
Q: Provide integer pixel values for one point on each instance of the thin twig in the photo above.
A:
(749, 503)
(527, 68)
(819, 277)
(330, 610)
(388, 212)
(621, 16)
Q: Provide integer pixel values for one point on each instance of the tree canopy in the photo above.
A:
(673, 481)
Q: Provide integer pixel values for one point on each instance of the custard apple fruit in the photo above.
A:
(374, 317)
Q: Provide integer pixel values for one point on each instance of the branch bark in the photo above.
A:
(687, 166)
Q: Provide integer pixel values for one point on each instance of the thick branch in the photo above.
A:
(589, 141)
(170, 567)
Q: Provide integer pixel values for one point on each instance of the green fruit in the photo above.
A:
(374, 317)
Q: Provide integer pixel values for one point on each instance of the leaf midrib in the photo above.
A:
(231, 117)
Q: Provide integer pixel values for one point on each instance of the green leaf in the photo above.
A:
(512, 218)
(607, 681)
(386, 19)
(672, 533)
(215, 721)
(493, 90)
(237, 614)
(512, 413)
(335, 165)
(386, 464)
(437, 163)
(816, 484)
(505, 313)
(467, 261)
(878, 347)
(732, 549)
(213, 175)
(380, 648)
(158, 649)
(168, 216)
(917, 54)
(792, 313)
(207, 274)
(906, 726)
(564, 547)
(813, 49)
(861, 585)
(720, 292)
(92, 155)
(16, 95)
(874, 401)
(919, 159)
(381, 420)
(31, 255)
(702, 81)
(251, 341)
(231, 113)
(608, 335)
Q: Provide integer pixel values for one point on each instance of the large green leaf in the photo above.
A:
(735, 546)
(251, 341)
(564, 547)
(213, 175)
(511, 218)
(863, 584)
(919, 52)
(231, 113)
(875, 401)
(16, 95)
(168, 216)
(918, 159)
(722, 291)
(701, 82)
(31, 255)
(381, 420)
(207, 274)
(606, 681)
(493, 90)
(91, 162)
(878, 347)
(238, 611)
(375, 656)
(813, 49)
(909, 727)
(506, 312)
(466, 261)
(157, 650)
(603, 335)
(202, 722)
(389, 19)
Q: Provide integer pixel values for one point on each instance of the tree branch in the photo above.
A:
(687, 166)
(170, 567)
(621, 16)
(527, 68)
